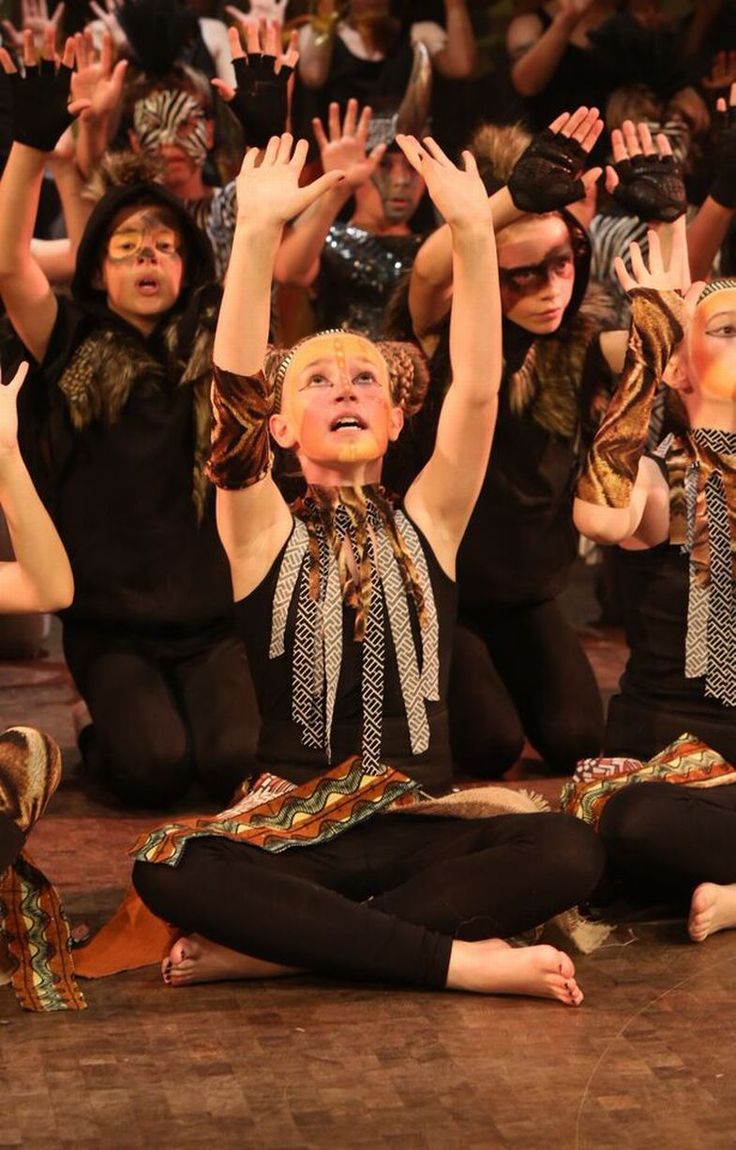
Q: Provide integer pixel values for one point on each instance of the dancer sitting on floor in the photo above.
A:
(673, 514)
(33, 931)
(346, 606)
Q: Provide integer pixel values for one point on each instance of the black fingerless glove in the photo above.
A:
(40, 113)
(651, 187)
(545, 177)
(723, 188)
(260, 101)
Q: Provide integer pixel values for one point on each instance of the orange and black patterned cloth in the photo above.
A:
(33, 926)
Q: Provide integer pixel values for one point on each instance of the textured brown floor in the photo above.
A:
(649, 1061)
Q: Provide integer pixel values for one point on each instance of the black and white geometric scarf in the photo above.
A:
(349, 547)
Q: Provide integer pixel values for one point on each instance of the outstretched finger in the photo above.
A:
(253, 37)
(631, 138)
(664, 147)
(626, 281)
(15, 384)
(594, 129)
(237, 52)
(290, 58)
(333, 121)
(56, 15)
(319, 134)
(413, 151)
(351, 117)
(299, 157)
(611, 181)
(272, 38)
(638, 266)
(224, 90)
(6, 62)
(69, 53)
(645, 139)
(364, 123)
(576, 119)
(656, 263)
(436, 152)
(311, 192)
(590, 178)
(558, 124)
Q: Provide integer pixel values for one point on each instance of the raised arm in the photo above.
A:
(442, 497)
(342, 148)
(40, 578)
(548, 176)
(458, 57)
(40, 116)
(535, 52)
(252, 516)
(621, 495)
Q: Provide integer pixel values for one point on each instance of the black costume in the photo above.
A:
(115, 430)
(357, 662)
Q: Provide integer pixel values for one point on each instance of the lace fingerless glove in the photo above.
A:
(546, 175)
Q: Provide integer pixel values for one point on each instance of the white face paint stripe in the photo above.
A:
(157, 120)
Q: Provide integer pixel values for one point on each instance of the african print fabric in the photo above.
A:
(687, 760)
(277, 815)
(32, 922)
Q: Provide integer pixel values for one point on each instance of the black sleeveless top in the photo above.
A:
(280, 747)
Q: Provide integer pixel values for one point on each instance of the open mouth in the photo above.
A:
(147, 284)
(348, 423)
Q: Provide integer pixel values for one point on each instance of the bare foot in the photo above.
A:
(494, 967)
(712, 908)
(194, 958)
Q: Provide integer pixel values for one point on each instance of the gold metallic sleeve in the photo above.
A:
(613, 460)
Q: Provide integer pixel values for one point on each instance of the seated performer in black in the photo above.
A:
(346, 606)
(673, 514)
(115, 428)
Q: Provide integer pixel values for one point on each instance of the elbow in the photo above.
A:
(524, 85)
(604, 525)
(58, 596)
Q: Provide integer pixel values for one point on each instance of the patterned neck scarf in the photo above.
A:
(349, 548)
(702, 475)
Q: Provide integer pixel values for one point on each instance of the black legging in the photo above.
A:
(671, 836)
(428, 880)
(521, 673)
(165, 712)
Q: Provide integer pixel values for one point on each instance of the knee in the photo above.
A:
(575, 854)
(159, 887)
(30, 771)
(484, 742)
(229, 760)
(155, 773)
(569, 735)
(632, 819)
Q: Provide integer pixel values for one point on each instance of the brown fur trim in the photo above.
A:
(548, 382)
(109, 365)
(497, 147)
(117, 169)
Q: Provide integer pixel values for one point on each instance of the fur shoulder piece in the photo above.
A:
(120, 169)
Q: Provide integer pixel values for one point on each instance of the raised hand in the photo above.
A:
(268, 191)
(723, 188)
(645, 179)
(345, 147)
(40, 109)
(95, 79)
(723, 72)
(261, 99)
(259, 10)
(549, 173)
(672, 275)
(109, 16)
(34, 17)
(458, 193)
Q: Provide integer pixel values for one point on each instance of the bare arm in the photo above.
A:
(25, 290)
(254, 520)
(430, 286)
(316, 44)
(536, 51)
(343, 149)
(442, 497)
(40, 578)
(457, 59)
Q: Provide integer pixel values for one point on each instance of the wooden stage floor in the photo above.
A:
(647, 1063)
